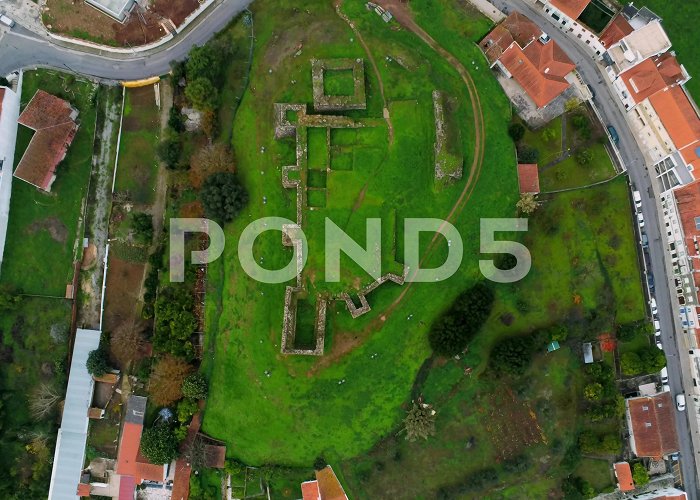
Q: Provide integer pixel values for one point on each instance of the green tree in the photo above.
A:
(558, 332)
(202, 94)
(195, 386)
(420, 421)
(223, 196)
(186, 409)
(527, 154)
(631, 363)
(512, 355)
(584, 157)
(169, 151)
(451, 333)
(653, 359)
(593, 392)
(98, 362)
(175, 120)
(205, 62)
(143, 225)
(8, 299)
(549, 134)
(175, 321)
(516, 131)
(640, 475)
(159, 444)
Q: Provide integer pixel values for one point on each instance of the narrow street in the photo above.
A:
(679, 370)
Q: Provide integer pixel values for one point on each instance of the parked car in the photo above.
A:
(680, 402)
(658, 342)
(650, 281)
(645, 240)
(664, 375)
(654, 309)
(640, 219)
(6, 21)
(665, 388)
(613, 134)
(636, 195)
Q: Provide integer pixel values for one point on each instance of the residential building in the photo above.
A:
(69, 456)
(520, 50)
(647, 41)
(117, 9)
(566, 14)
(53, 121)
(623, 473)
(528, 178)
(668, 493)
(325, 487)
(9, 112)
(650, 421)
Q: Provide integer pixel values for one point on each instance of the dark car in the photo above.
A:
(613, 134)
(650, 280)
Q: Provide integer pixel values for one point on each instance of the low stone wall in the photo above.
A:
(364, 308)
(324, 102)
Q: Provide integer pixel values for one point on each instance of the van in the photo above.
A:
(664, 375)
(680, 402)
(636, 195)
(657, 327)
(654, 309)
(6, 21)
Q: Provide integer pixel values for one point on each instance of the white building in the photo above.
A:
(9, 112)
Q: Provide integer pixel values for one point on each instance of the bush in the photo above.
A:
(640, 475)
(169, 152)
(202, 94)
(98, 362)
(527, 154)
(629, 331)
(576, 488)
(512, 355)
(516, 132)
(195, 386)
(223, 196)
(584, 157)
(143, 225)
(593, 392)
(186, 409)
(159, 444)
(631, 363)
(175, 120)
(175, 321)
(451, 333)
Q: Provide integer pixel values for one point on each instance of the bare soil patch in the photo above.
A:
(175, 10)
(123, 297)
(89, 257)
(57, 230)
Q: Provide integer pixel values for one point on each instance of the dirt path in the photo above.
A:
(403, 16)
(158, 208)
(387, 117)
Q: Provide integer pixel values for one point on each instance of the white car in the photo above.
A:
(640, 219)
(654, 309)
(658, 343)
(664, 375)
(637, 199)
(680, 402)
(665, 388)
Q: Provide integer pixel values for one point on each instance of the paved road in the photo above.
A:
(21, 48)
(607, 103)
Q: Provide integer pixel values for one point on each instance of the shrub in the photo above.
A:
(527, 154)
(195, 386)
(175, 321)
(584, 157)
(223, 196)
(631, 363)
(451, 333)
(185, 409)
(516, 132)
(202, 94)
(512, 355)
(640, 475)
(98, 362)
(159, 444)
(175, 120)
(169, 152)
(593, 392)
(143, 225)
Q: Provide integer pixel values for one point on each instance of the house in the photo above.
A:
(520, 50)
(325, 487)
(69, 456)
(528, 178)
(53, 121)
(116, 9)
(650, 421)
(566, 15)
(623, 473)
(666, 493)
(9, 112)
(650, 77)
(132, 467)
(647, 41)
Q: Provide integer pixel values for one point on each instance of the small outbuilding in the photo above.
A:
(528, 178)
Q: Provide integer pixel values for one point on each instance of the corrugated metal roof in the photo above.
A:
(72, 436)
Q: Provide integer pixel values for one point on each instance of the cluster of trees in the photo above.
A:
(648, 359)
(606, 444)
(451, 333)
(143, 227)
(604, 401)
(631, 331)
(526, 153)
(223, 196)
(175, 322)
(582, 125)
(159, 444)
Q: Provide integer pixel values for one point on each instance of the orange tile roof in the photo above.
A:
(528, 178)
(623, 472)
(572, 8)
(618, 29)
(181, 483)
(652, 75)
(83, 489)
(688, 203)
(678, 116)
(514, 28)
(129, 444)
(145, 470)
(51, 118)
(652, 425)
(328, 485)
(309, 490)
(539, 69)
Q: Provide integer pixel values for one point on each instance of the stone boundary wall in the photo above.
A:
(325, 102)
(364, 308)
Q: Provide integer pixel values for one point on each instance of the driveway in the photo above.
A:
(21, 48)
(678, 361)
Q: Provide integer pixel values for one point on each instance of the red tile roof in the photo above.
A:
(181, 482)
(52, 120)
(678, 116)
(618, 29)
(2, 97)
(147, 471)
(652, 75)
(328, 485)
(129, 444)
(309, 490)
(215, 456)
(623, 472)
(652, 425)
(127, 486)
(528, 178)
(688, 203)
(571, 8)
(514, 28)
(83, 489)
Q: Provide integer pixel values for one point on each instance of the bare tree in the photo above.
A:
(165, 384)
(527, 203)
(196, 453)
(126, 343)
(210, 160)
(43, 401)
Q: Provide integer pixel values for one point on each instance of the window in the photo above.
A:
(645, 408)
(697, 222)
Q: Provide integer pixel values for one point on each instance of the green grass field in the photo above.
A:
(43, 228)
(347, 405)
(137, 169)
(569, 173)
